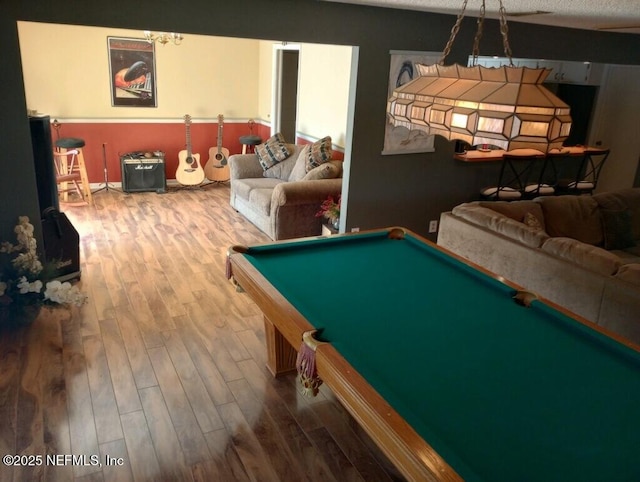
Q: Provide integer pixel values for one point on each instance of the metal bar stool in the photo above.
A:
(63, 145)
(586, 177)
(515, 170)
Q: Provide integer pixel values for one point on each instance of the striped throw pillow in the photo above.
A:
(272, 151)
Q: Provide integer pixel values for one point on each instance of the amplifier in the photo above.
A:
(143, 172)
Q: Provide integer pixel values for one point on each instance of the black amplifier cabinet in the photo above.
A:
(61, 244)
(143, 171)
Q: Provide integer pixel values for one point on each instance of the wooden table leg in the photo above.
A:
(281, 356)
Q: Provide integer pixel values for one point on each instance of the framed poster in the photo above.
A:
(132, 67)
(400, 139)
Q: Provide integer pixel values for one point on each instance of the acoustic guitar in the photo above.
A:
(190, 172)
(217, 167)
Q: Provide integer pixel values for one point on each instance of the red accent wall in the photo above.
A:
(122, 138)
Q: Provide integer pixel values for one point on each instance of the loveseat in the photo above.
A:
(282, 197)
(580, 252)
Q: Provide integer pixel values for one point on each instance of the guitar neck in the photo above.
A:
(188, 134)
(219, 134)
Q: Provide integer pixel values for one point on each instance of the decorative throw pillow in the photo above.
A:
(319, 153)
(328, 170)
(532, 221)
(282, 170)
(616, 226)
(272, 151)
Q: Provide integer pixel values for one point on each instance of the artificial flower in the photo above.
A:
(23, 280)
(330, 209)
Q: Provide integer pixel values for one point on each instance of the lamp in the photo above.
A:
(505, 106)
(163, 37)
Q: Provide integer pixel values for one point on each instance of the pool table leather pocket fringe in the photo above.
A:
(525, 298)
(306, 364)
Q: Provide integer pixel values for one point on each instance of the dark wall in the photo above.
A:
(384, 190)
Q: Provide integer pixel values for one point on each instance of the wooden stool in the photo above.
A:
(250, 141)
(67, 174)
(71, 165)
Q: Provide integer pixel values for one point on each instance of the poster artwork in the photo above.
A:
(133, 73)
(399, 139)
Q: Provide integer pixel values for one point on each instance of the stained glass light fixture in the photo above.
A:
(505, 106)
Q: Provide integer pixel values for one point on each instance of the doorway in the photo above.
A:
(285, 91)
(618, 99)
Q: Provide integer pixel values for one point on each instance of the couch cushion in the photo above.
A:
(622, 200)
(260, 199)
(328, 170)
(300, 168)
(516, 210)
(629, 255)
(583, 254)
(616, 228)
(243, 187)
(272, 151)
(576, 217)
(282, 170)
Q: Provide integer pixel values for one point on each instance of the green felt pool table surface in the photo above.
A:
(501, 391)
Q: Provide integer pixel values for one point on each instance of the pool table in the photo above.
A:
(454, 372)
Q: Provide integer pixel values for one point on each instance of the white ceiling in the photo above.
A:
(606, 15)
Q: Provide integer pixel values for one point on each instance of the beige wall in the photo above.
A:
(265, 86)
(66, 75)
(323, 90)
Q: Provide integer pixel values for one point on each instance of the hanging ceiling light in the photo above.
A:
(163, 37)
(506, 106)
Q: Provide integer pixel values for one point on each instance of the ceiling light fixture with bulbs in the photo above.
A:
(507, 107)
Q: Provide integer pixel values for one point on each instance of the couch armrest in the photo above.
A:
(305, 192)
(294, 206)
(499, 223)
(243, 166)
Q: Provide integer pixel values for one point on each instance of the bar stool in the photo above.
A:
(585, 180)
(516, 169)
(250, 141)
(72, 164)
(68, 177)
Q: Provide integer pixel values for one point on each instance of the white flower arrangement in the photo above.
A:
(25, 277)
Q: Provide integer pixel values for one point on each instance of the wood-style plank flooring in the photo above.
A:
(163, 370)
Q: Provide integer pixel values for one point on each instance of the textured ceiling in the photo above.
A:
(606, 15)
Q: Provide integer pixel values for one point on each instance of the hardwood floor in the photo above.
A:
(163, 370)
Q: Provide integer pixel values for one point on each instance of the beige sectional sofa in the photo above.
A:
(581, 252)
(283, 199)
